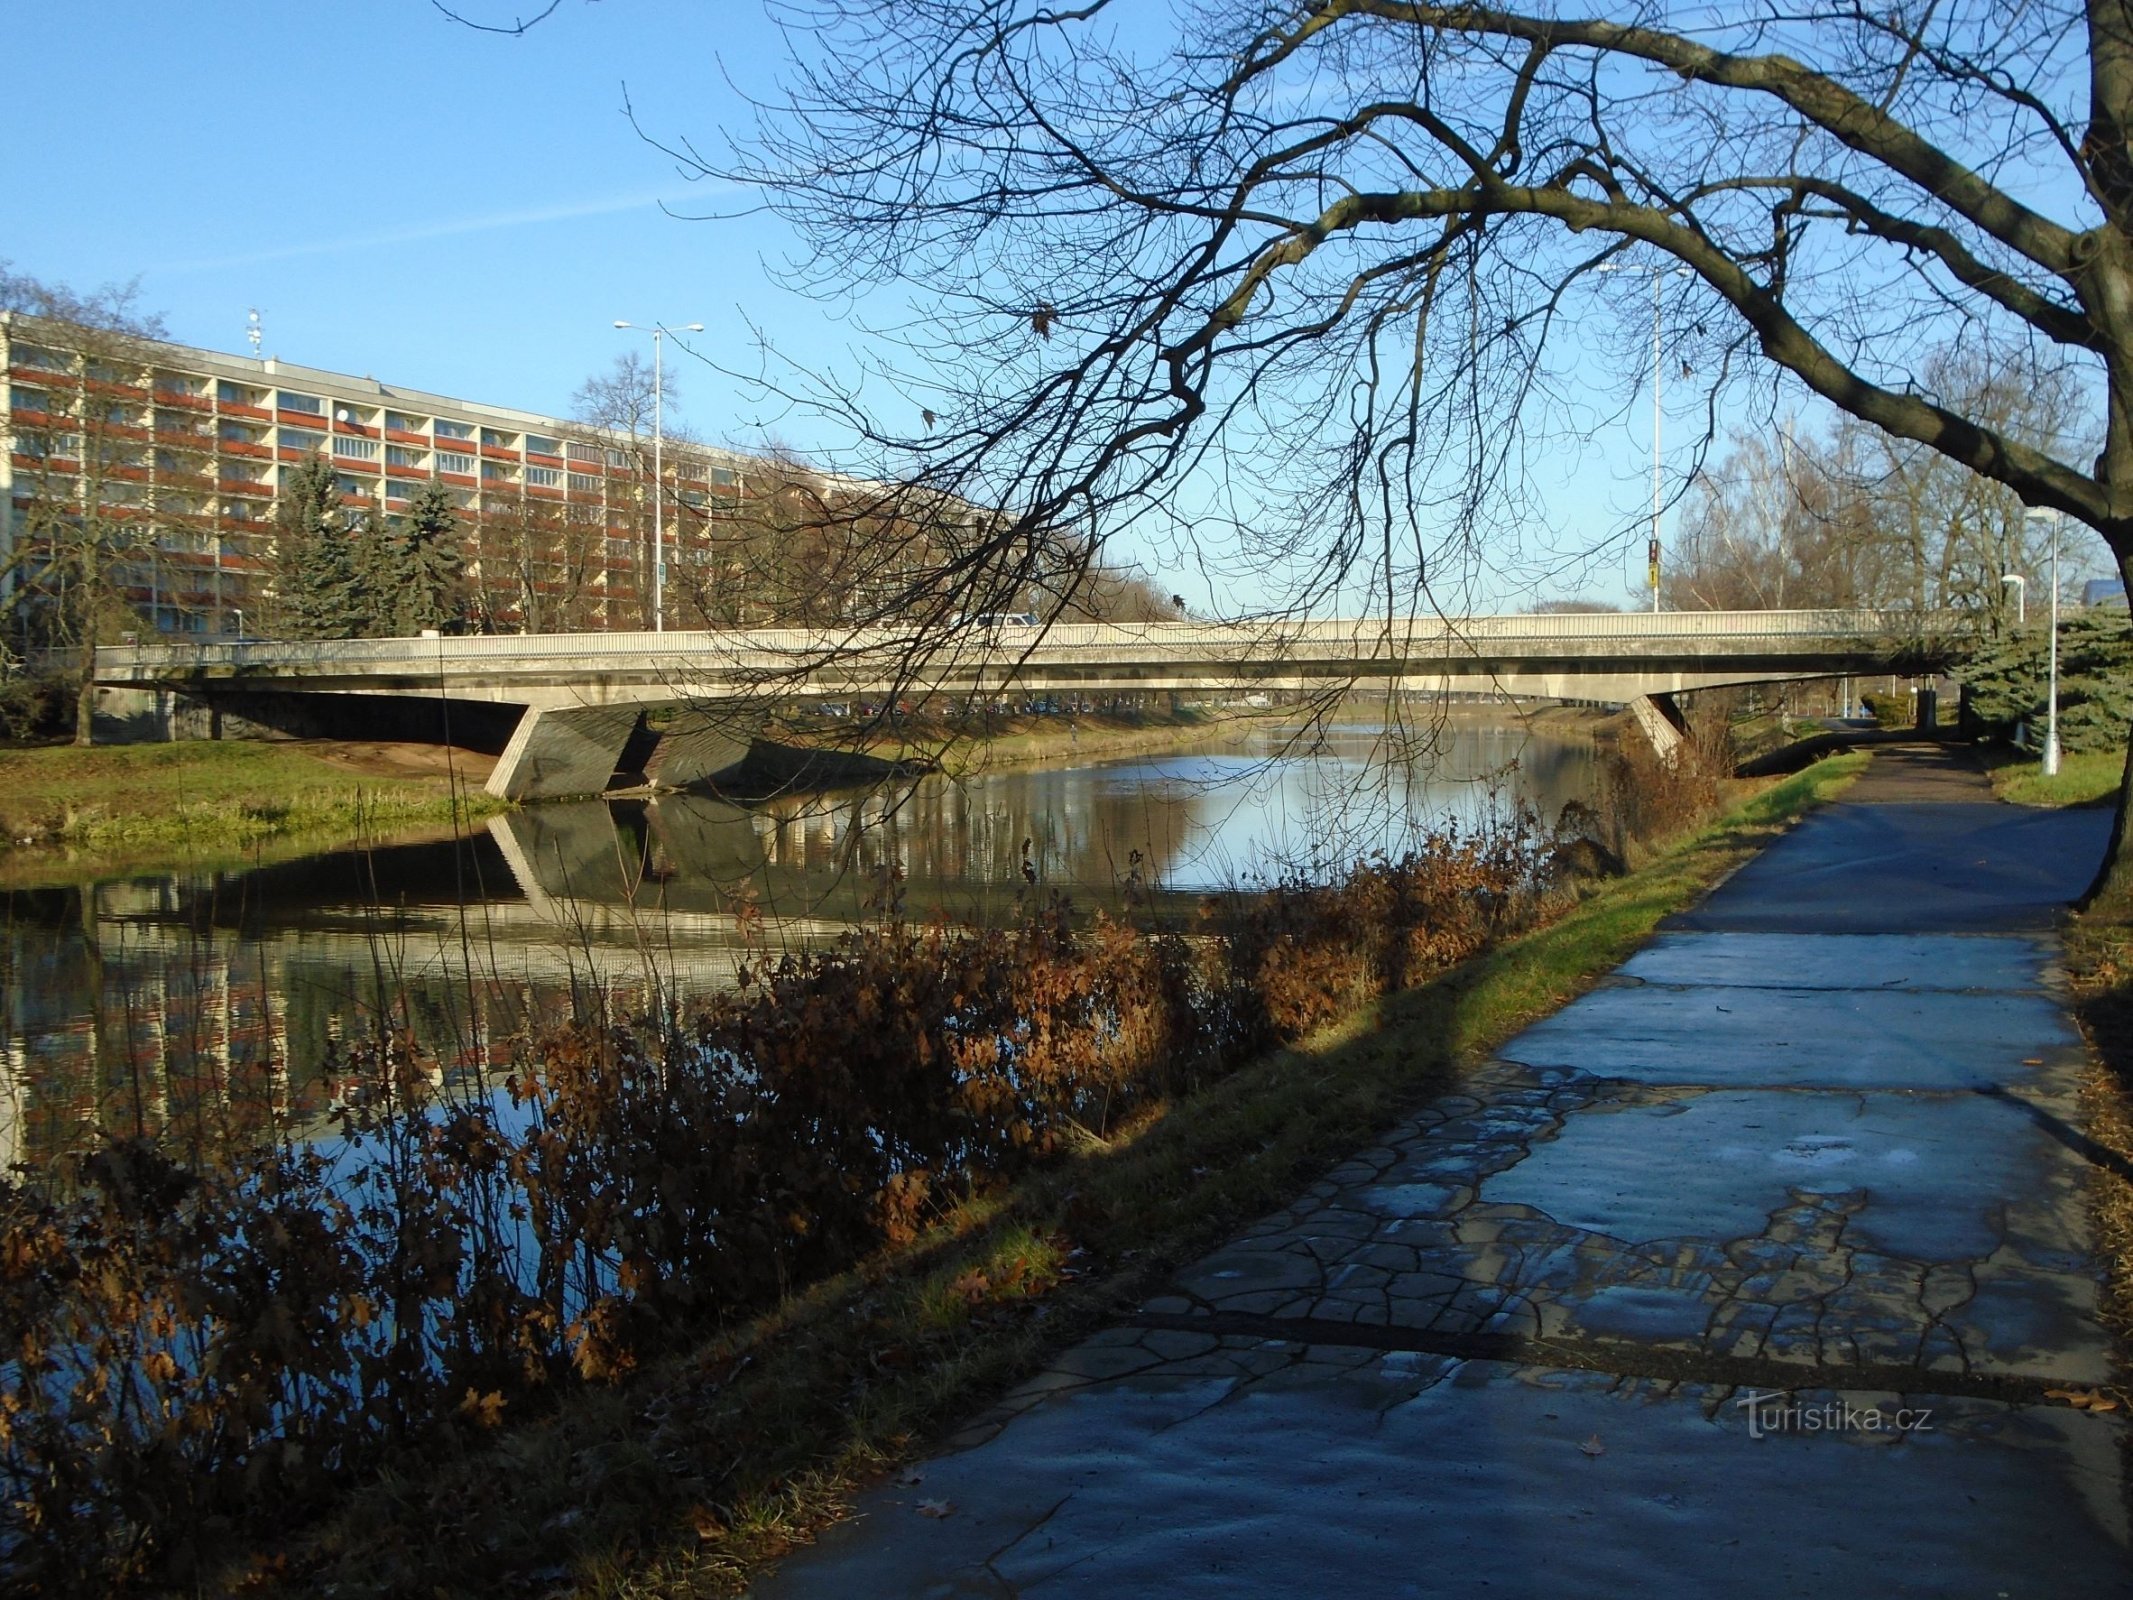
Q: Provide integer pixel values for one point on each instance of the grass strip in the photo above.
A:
(685, 1480)
(66, 812)
(2085, 778)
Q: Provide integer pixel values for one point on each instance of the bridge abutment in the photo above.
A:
(1660, 718)
(556, 751)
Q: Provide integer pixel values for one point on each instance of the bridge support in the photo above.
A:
(562, 750)
(699, 746)
(1663, 724)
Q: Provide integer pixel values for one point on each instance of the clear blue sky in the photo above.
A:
(468, 213)
(399, 196)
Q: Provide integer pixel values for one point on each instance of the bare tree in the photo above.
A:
(102, 481)
(1292, 278)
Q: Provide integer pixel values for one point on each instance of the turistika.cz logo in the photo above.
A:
(1777, 1412)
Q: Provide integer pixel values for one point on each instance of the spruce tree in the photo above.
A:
(428, 568)
(379, 578)
(315, 563)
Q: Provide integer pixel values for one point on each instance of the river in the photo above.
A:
(202, 1009)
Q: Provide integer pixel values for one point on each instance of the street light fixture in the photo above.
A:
(2051, 701)
(658, 331)
(1660, 274)
(2021, 588)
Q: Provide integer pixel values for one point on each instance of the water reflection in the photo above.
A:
(201, 1009)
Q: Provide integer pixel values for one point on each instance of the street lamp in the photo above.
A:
(2051, 700)
(1659, 276)
(2021, 588)
(658, 331)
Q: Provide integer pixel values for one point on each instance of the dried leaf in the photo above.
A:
(910, 1478)
(1593, 1447)
(936, 1508)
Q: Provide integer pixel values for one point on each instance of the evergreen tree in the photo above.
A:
(378, 577)
(2007, 681)
(316, 585)
(428, 591)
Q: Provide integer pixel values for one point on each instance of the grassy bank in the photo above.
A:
(2088, 778)
(72, 812)
(687, 1478)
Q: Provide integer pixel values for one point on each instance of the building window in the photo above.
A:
(406, 424)
(291, 401)
(618, 458)
(492, 436)
(31, 355)
(453, 430)
(544, 477)
(399, 455)
(348, 485)
(298, 439)
(582, 452)
(22, 399)
(725, 477)
(356, 449)
(585, 482)
(497, 471)
(452, 461)
(541, 445)
(236, 394)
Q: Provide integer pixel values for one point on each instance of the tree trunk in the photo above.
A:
(85, 694)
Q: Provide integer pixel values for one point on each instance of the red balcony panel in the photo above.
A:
(230, 408)
(244, 486)
(535, 458)
(301, 419)
(192, 402)
(45, 376)
(244, 447)
(402, 436)
(544, 491)
(353, 464)
(418, 474)
(497, 452)
(34, 419)
(465, 480)
(129, 474)
(356, 500)
(125, 391)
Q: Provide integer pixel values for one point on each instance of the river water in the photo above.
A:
(198, 1009)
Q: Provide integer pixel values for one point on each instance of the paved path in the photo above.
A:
(1821, 1132)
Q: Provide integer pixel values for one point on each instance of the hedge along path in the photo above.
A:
(685, 1480)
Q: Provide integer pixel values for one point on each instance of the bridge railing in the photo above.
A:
(775, 649)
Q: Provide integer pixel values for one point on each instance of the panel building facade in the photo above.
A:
(192, 445)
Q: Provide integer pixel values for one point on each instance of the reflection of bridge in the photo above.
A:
(575, 700)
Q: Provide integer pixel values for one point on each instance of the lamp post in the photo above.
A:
(658, 332)
(1659, 276)
(2051, 692)
(2021, 589)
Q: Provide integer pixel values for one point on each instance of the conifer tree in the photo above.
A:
(429, 581)
(316, 585)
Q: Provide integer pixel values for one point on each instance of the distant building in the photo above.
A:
(195, 443)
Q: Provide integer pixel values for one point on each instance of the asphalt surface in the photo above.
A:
(1748, 1273)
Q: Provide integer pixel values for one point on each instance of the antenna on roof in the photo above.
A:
(251, 330)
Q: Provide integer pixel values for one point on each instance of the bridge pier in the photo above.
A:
(698, 746)
(1663, 724)
(562, 750)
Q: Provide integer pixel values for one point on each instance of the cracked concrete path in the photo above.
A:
(1817, 1144)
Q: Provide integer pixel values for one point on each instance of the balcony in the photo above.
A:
(536, 459)
(245, 486)
(402, 436)
(353, 500)
(395, 469)
(184, 398)
(231, 408)
(356, 430)
(245, 447)
(544, 491)
(300, 419)
(354, 464)
(497, 452)
(465, 480)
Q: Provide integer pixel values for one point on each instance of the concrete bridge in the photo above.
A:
(565, 708)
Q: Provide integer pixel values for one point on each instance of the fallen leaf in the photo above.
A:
(706, 1523)
(910, 1478)
(2032, 1061)
(936, 1508)
(1593, 1447)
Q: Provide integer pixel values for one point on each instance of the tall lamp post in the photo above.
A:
(658, 331)
(1659, 276)
(2051, 693)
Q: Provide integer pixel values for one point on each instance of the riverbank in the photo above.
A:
(68, 813)
(707, 1464)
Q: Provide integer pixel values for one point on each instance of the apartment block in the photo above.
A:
(556, 517)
